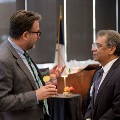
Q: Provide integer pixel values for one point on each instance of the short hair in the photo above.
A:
(112, 39)
(22, 21)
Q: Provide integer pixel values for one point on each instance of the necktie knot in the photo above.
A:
(26, 54)
(100, 72)
(27, 57)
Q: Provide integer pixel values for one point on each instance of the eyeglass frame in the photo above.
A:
(97, 45)
(38, 33)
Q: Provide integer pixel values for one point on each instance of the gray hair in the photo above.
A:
(112, 39)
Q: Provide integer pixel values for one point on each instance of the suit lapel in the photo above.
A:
(21, 64)
(107, 78)
(27, 73)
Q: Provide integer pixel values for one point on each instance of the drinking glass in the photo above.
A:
(54, 82)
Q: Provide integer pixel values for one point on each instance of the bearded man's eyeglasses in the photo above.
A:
(38, 33)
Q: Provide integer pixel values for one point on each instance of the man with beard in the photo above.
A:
(23, 95)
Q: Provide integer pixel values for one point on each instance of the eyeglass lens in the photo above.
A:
(94, 46)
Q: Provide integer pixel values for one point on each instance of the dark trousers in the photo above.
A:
(46, 117)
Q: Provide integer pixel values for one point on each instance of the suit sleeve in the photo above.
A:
(10, 101)
(87, 98)
(88, 113)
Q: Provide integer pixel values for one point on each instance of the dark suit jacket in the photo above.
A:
(107, 105)
(17, 88)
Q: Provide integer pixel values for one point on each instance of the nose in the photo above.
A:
(93, 49)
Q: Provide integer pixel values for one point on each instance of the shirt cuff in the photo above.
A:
(87, 119)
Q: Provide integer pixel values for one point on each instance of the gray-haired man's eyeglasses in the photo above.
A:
(97, 45)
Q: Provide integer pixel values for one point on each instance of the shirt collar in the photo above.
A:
(19, 50)
(107, 67)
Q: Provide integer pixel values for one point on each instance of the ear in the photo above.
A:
(112, 50)
(25, 35)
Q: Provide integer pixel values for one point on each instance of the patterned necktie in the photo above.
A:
(97, 80)
(37, 78)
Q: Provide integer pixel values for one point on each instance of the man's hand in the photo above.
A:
(46, 92)
(56, 72)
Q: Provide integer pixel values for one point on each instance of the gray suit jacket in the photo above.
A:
(17, 88)
(107, 104)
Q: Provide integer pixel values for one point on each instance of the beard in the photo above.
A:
(29, 47)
